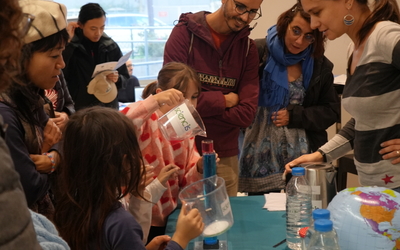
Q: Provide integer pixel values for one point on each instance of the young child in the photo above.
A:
(102, 155)
(175, 82)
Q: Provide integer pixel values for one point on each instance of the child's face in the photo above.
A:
(191, 93)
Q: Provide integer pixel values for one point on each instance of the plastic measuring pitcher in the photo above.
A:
(209, 196)
(181, 122)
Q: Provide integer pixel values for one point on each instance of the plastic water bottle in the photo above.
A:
(324, 237)
(316, 215)
(298, 207)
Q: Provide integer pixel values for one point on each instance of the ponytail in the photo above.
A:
(150, 89)
(384, 10)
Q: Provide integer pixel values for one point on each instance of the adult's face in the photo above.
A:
(298, 35)
(94, 28)
(327, 16)
(235, 20)
(44, 67)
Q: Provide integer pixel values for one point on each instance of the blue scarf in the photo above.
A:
(274, 89)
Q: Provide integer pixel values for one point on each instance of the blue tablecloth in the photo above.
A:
(254, 227)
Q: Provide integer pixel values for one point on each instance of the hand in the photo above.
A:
(166, 173)
(391, 149)
(313, 157)
(189, 226)
(52, 134)
(158, 243)
(43, 163)
(60, 120)
(199, 164)
(170, 97)
(231, 100)
(149, 177)
(280, 118)
(71, 29)
(113, 77)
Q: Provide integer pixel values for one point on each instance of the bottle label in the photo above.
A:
(304, 189)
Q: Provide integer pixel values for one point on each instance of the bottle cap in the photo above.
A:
(207, 146)
(298, 171)
(321, 214)
(323, 225)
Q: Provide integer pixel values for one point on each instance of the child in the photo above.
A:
(175, 82)
(102, 155)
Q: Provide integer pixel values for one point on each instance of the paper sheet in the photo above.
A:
(111, 65)
(275, 201)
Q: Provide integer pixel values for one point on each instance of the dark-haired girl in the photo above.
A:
(102, 155)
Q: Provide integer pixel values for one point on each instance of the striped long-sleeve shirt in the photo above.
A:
(372, 97)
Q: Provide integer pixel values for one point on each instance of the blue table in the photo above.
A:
(254, 227)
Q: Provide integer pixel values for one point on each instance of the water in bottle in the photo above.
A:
(298, 207)
(324, 237)
(308, 232)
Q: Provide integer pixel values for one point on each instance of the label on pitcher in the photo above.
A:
(225, 207)
(181, 119)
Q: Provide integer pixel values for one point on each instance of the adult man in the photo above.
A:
(217, 46)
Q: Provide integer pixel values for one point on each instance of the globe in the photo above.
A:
(366, 218)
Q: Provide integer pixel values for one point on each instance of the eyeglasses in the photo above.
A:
(26, 23)
(296, 31)
(242, 9)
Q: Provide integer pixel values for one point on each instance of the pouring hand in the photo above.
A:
(170, 97)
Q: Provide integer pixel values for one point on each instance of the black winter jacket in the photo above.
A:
(80, 64)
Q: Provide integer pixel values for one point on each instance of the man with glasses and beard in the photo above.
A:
(217, 46)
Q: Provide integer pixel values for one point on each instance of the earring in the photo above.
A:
(348, 19)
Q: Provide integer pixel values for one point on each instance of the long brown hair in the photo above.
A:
(173, 72)
(384, 10)
(287, 17)
(10, 41)
(100, 156)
